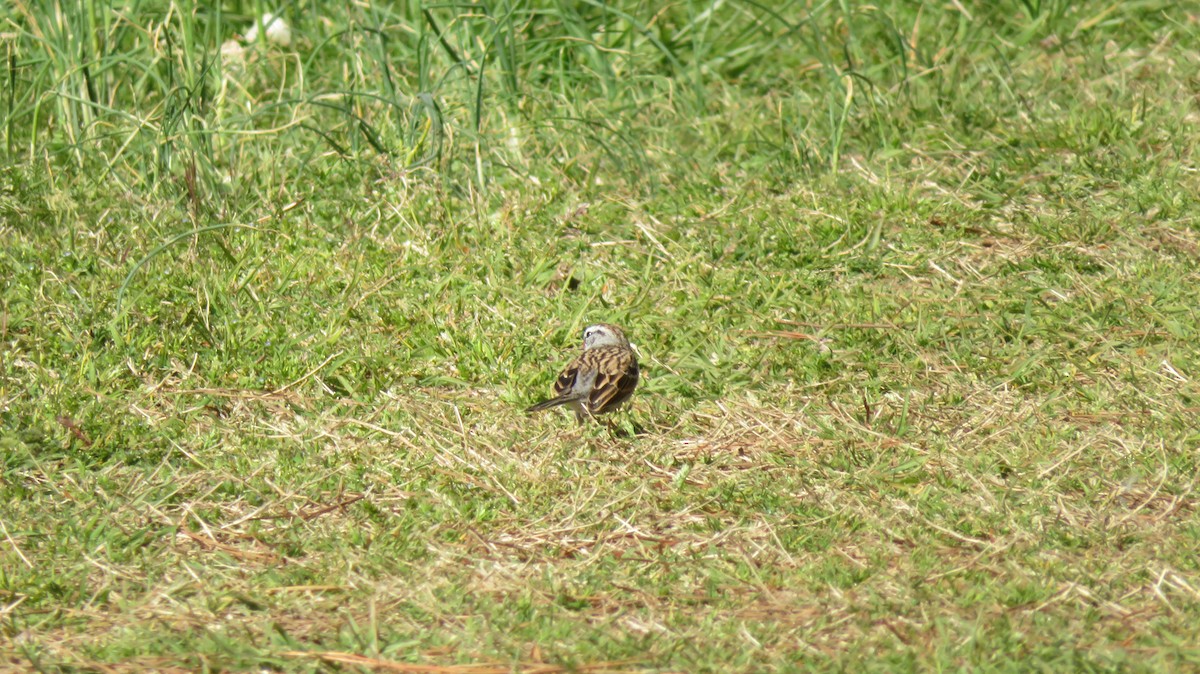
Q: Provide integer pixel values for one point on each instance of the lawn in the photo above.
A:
(915, 288)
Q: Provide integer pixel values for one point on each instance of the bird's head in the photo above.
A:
(603, 334)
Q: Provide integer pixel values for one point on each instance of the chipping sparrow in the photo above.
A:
(600, 378)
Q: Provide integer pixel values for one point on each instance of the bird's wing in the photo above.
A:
(565, 384)
(616, 377)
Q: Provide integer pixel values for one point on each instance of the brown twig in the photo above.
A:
(70, 424)
(391, 666)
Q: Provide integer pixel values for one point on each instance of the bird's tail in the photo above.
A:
(547, 404)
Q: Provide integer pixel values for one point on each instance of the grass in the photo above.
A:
(914, 287)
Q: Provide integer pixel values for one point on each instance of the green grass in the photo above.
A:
(914, 286)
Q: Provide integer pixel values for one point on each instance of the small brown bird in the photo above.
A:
(600, 378)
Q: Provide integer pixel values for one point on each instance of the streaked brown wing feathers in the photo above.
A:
(616, 377)
(566, 380)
